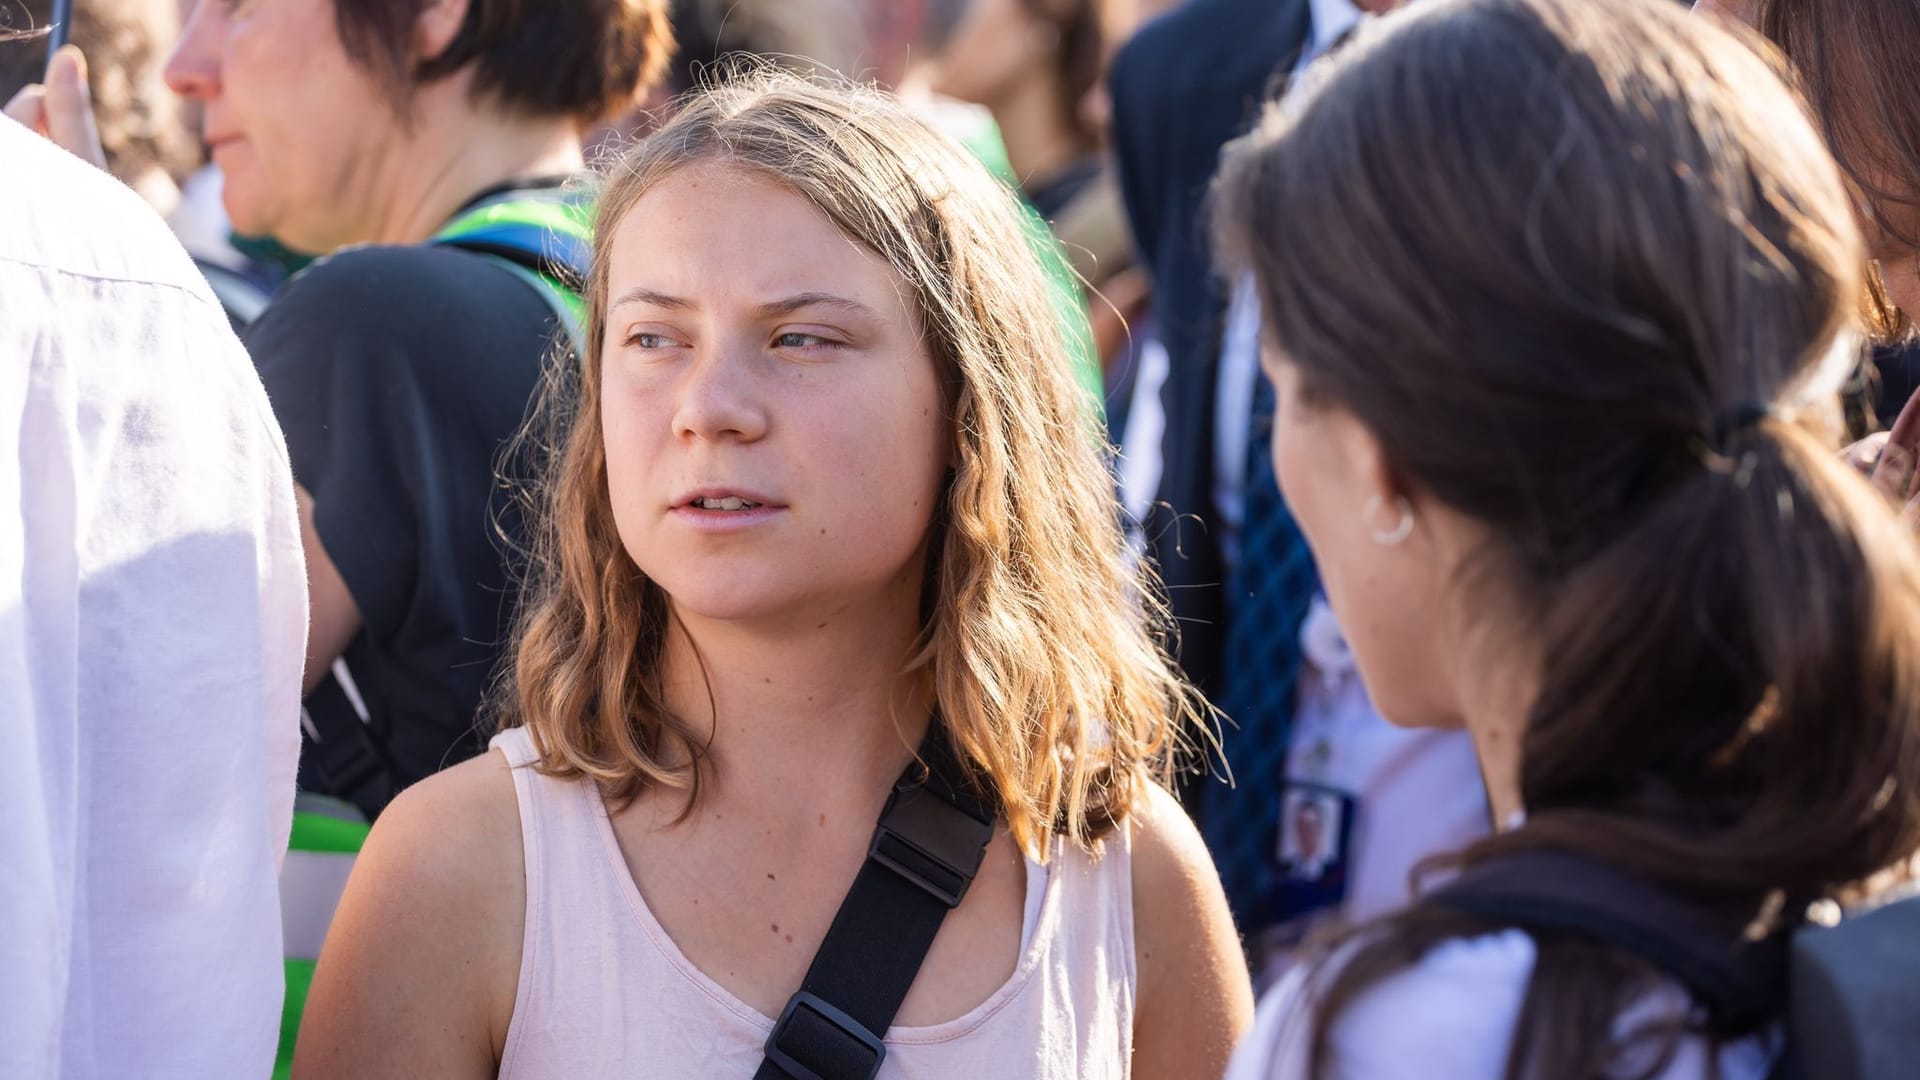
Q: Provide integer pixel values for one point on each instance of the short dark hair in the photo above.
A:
(585, 59)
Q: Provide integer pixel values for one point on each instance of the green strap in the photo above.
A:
(320, 832)
(552, 211)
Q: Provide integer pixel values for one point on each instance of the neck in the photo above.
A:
(1040, 141)
(1495, 716)
(781, 706)
(468, 150)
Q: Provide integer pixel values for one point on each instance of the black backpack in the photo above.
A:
(1848, 995)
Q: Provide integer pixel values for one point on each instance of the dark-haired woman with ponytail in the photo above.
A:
(1560, 296)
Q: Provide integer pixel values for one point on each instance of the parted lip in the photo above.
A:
(686, 498)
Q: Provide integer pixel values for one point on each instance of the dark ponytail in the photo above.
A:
(1587, 273)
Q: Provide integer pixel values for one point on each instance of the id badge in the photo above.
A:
(1315, 839)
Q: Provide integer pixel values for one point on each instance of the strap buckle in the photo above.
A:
(930, 842)
(822, 1019)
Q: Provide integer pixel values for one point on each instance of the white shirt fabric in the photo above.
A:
(1452, 1015)
(152, 629)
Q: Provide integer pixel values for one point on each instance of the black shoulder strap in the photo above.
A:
(1741, 983)
(926, 850)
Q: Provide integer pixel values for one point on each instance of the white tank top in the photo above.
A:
(604, 992)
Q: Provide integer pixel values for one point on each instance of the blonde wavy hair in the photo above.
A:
(1039, 639)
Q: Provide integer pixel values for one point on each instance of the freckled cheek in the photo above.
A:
(634, 436)
(883, 478)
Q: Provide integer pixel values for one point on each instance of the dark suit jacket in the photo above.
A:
(1186, 84)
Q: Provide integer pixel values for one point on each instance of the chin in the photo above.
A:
(244, 218)
(1418, 715)
(724, 596)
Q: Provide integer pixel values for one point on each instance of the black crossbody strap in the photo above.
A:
(929, 844)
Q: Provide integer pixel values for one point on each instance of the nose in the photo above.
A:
(193, 70)
(721, 398)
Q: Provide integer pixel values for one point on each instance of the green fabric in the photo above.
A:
(566, 217)
(299, 981)
(1065, 291)
(569, 218)
(318, 832)
(323, 833)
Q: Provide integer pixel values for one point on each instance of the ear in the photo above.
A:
(436, 27)
(1369, 469)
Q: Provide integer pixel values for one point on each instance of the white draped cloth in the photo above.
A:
(152, 626)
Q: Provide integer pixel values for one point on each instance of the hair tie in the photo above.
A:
(1737, 421)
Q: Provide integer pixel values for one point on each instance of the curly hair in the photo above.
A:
(1038, 639)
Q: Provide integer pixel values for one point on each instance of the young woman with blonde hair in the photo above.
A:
(824, 487)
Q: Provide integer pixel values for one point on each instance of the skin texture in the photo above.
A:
(714, 379)
(789, 641)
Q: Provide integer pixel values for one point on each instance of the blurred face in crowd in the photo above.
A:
(994, 48)
(774, 429)
(1387, 589)
(293, 123)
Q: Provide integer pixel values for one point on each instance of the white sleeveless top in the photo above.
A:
(604, 992)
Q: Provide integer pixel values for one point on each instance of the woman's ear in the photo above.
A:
(1373, 475)
(436, 27)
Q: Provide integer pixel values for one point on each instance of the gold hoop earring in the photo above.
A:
(1396, 535)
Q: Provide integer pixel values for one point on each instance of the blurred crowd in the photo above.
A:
(1400, 511)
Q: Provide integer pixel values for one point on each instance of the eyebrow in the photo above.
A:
(798, 301)
(649, 296)
(785, 306)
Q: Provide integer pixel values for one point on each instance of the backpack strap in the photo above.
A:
(926, 851)
(542, 236)
(1742, 983)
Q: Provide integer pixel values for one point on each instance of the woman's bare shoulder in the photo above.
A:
(422, 961)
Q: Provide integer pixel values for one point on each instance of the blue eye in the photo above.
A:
(797, 340)
(649, 341)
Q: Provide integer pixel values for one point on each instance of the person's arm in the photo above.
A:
(1195, 996)
(418, 975)
(333, 617)
(335, 355)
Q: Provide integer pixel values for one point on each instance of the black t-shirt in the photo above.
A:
(399, 374)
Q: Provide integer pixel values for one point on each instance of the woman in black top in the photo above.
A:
(399, 368)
